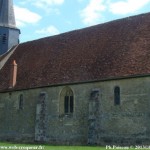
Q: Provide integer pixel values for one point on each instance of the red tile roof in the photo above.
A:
(115, 49)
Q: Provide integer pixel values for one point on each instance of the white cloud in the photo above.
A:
(49, 6)
(127, 6)
(44, 4)
(25, 16)
(51, 30)
(48, 2)
(92, 12)
(80, 1)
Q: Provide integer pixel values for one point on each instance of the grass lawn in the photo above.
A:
(14, 146)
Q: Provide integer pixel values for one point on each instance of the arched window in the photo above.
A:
(20, 101)
(66, 101)
(117, 95)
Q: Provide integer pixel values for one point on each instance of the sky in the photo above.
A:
(41, 18)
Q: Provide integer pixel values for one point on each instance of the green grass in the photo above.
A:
(13, 146)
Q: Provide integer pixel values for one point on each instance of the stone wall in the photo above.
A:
(95, 120)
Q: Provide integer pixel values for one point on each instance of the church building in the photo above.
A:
(84, 87)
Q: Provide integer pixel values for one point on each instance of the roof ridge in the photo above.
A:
(90, 27)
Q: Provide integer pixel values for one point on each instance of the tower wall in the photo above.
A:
(9, 37)
(13, 38)
(4, 33)
(9, 33)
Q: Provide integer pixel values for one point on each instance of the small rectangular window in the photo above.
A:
(4, 39)
(117, 95)
(21, 102)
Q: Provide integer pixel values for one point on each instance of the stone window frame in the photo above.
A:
(117, 95)
(66, 108)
